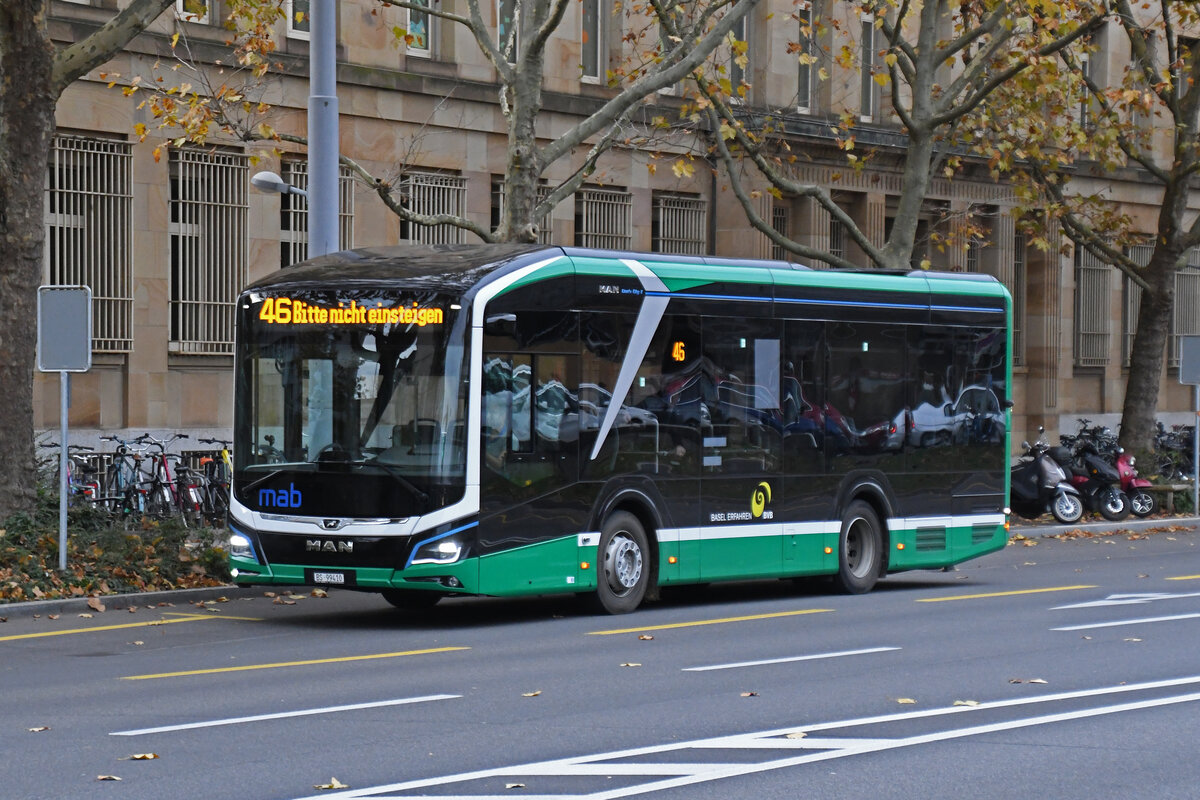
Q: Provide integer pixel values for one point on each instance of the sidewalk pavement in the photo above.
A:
(119, 602)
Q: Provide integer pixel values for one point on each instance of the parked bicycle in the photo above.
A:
(171, 487)
(217, 472)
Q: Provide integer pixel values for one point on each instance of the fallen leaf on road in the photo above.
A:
(645, 637)
(966, 702)
(107, 778)
(95, 604)
(138, 643)
(85, 616)
(3, 619)
(334, 783)
(142, 757)
(631, 664)
(1038, 680)
(514, 786)
(796, 735)
(213, 610)
(268, 594)
(1132, 639)
(39, 729)
(749, 694)
(279, 601)
(53, 616)
(132, 609)
(906, 701)
(531, 694)
(319, 593)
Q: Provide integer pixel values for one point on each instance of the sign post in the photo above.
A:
(64, 345)
(1189, 373)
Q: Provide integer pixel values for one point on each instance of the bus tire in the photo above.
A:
(623, 564)
(860, 549)
(411, 599)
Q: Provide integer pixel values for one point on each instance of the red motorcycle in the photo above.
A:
(1141, 501)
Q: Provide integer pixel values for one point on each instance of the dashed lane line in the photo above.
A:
(789, 659)
(282, 664)
(125, 625)
(722, 621)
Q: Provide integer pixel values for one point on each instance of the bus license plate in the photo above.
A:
(329, 577)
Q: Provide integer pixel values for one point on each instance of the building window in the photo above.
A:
(739, 58)
(779, 221)
(1091, 309)
(837, 238)
(193, 10)
(419, 24)
(591, 42)
(545, 231)
(428, 194)
(299, 21)
(1185, 316)
(88, 223)
(508, 26)
(293, 213)
(679, 224)
(868, 95)
(806, 40)
(602, 218)
(1020, 260)
(207, 227)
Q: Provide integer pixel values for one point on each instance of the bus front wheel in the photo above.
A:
(624, 556)
(860, 548)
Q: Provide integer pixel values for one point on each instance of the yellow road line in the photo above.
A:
(711, 622)
(1003, 594)
(209, 615)
(339, 660)
(146, 624)
(1184, 578)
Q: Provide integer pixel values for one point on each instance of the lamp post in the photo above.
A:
(323, 130)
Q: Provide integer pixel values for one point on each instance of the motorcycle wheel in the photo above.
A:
(1067, 508)
(1114, 506)
(1142, 503)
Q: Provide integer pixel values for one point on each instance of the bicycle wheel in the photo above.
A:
(159, 503)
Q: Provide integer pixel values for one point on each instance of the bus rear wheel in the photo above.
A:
(624, 568)
(411, 599)
(860, 549)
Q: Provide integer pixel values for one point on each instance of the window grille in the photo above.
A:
(430, 193)
(88, 231)
(545, 230)
(1092, 292)
(679, 224)
(837, 238)
(1018, 294)
(1185, 315)
(602, 218)
(779, 221)
(971, 262)
(207, 227)
(293, 213)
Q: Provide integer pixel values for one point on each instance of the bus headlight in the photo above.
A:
(241, 547)
(440, 551)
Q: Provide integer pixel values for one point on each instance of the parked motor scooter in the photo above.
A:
(1039, 485)
(1141, 501)
(1098, 482)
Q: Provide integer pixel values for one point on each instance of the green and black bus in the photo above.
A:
(527, 419)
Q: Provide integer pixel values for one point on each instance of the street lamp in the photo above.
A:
(268, 181)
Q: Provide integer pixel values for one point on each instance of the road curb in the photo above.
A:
(120, 602)
(1033, 529)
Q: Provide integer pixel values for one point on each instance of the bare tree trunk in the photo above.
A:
(1149, 350)
(26, 124)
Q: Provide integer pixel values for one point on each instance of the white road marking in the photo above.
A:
(684, 774)
(1127, 600)
(814, 657)
(285, 714)
(1118, 623)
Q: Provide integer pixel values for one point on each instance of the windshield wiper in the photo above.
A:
(397, 476)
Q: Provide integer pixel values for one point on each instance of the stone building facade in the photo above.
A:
(166, 242)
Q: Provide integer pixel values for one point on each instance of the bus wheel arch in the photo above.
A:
(627, 552)
(864, 542)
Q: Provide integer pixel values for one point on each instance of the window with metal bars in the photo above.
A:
(430, 193)
(293, 213)
(602, 218)
(88, 223)
(837, 238)
(679, 223)
(1185, 316)
(1092, 292)
(779, 221)
(545, 231)
(1018, 295)
(207, 227)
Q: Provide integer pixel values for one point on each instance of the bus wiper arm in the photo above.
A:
(399, 478)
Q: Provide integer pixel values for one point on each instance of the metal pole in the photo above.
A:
(323, 130)
(64, 379)
(1196, 454)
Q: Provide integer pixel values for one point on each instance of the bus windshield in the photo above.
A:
(354, 389)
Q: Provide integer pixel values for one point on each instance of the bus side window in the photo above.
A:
(507, 410)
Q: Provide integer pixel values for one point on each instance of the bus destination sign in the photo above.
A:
(288, 311)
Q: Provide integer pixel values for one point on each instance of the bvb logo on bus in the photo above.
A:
(759, 500)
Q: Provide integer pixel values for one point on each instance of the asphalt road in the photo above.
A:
(1056, 668)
